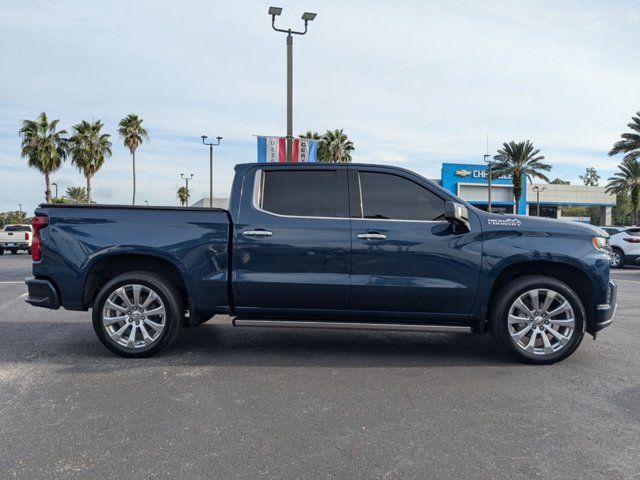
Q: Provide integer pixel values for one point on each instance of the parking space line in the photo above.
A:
(625, 280)
(7, 282)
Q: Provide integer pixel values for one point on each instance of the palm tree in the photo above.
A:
(311, 134)
(627, 180)
(630, 143)
(337, 147)
(183, 196)
(43, 147)
(321, 153)
(133, 134)
(517, 160)
(89, 149)
(76, 195)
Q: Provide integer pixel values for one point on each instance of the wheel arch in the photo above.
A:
(107, 267)
(571, 274)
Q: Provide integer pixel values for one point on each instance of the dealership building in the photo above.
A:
(471, 183)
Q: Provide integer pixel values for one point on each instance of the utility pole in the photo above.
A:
(186, 179)
(307, 17)
(487, 158)
(55, 184)
(538, 190)
(211, 145)
(20, 207)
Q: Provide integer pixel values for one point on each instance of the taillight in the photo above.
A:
(38, 223)
(632, 240)
(26, 236)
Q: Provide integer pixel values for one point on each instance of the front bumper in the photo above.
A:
(606, 311)
(42, 293)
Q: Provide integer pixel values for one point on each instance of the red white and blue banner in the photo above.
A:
(274, 149)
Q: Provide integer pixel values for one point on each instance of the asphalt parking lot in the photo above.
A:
(256, 403)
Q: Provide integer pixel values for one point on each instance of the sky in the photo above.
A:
(413, 83)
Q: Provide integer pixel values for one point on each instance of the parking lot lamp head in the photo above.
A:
(308, 16)
(275, 11)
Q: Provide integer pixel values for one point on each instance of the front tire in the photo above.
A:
(538, 319)
(616, 258)
(138, 314)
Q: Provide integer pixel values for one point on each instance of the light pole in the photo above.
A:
(56, 185)
(538, 190)
(487, 158)
(186, 179)
(307, 17)
(20, 207)
(211, 145)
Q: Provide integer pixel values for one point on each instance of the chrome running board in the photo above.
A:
(399, 327)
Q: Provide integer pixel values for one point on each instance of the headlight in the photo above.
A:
(600, 243)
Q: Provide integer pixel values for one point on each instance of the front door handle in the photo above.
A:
(372, 236)
(257, 233)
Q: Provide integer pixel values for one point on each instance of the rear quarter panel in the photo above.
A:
(193, 241)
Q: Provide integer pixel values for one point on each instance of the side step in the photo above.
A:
(400, 327)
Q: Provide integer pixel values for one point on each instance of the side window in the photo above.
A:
(301, 193)
(634, 232)
(388, 196)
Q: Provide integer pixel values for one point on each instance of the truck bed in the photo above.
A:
(194, 242)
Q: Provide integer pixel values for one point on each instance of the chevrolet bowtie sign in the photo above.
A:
(463, 173)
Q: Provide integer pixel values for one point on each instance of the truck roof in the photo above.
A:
(319, 165)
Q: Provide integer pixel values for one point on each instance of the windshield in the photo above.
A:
(17, 228)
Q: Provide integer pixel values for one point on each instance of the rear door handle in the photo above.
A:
(257, 233)
(372, 236)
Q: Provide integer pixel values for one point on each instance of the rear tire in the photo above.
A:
(1, 251)
(148, 322)
(616, 259)
(29, 251)
(541, 331)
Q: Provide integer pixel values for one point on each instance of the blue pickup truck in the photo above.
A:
(325, 246)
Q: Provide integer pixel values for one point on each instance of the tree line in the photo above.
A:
(45, 147)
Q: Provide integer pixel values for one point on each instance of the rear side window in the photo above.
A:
(302, 193)
(634, 232)
(17, 228)
(387, 196)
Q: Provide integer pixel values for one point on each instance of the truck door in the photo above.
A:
(406, 259)
(292, 242)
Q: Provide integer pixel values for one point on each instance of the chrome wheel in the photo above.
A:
(614, 259)
(134, 316)
(541, 321)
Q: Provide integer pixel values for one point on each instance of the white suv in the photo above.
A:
(625, 245)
